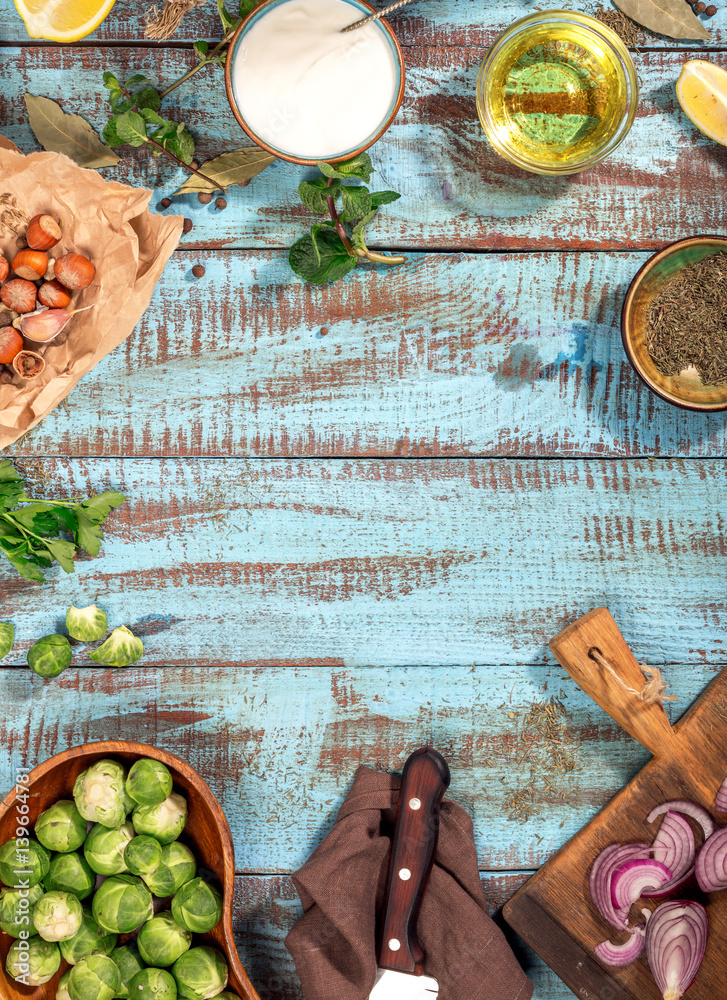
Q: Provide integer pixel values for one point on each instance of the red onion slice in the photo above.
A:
(691, 809)
(607, 862)
(711, 867)
(633, 878)
(720, 801)
(676, 939)
(674, 846)
(621, 954)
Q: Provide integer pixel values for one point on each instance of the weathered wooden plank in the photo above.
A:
(663, 183)
(280, 746)
(396, 562)
(456, 22)
(267, 907)
(506, 354)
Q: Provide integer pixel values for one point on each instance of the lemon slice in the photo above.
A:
(702, 93)
(62, 20)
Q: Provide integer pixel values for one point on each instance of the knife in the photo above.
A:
(401, 960)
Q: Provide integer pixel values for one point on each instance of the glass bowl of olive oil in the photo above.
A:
(557, 92)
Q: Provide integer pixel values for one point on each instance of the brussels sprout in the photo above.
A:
(50, 655)
(200, 973)
(104, 849)
(90, 939)
(94, 978)
(120, 649)
(197, 906)
(164, 821)
(16, 910)
(149, 782)
(33, 962)
(128, 962)
(7, 638)
(143, 855)
(57, 916)
(162, 941)
(153, 984)
(100, 793)
(61, 827)
(175, 869)
(23, 863)
(121, 903)
(62, 991)
(86, 624)
(70, 873)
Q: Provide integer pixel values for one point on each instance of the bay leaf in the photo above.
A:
(674, 18)
(228, 169)
(59, 132)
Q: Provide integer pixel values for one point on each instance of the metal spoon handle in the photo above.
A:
(379, 13)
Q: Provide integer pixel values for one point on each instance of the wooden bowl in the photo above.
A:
(685, 389)
(206, 833)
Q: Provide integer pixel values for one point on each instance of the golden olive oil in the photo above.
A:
(556, 94)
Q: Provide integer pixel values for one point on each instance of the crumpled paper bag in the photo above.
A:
(107, 222)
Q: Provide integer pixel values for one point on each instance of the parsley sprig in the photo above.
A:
(337, 245)
(31, 536)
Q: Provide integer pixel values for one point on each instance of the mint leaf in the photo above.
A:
(360, 166)
(110, 135)
(133, 80)
(131, 128)
(201, 48)
(358, 230)
(313, 195)
(228, 21)
(322, 258)
(379, 198)
(110, 81)
(147, 98)
(356, 203)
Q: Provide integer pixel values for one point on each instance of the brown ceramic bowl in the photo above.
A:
(685, 389)
(206, 833)
(359, 8)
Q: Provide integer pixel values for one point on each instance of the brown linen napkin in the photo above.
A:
(342, 885)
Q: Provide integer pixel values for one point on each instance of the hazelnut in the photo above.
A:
(10, 344)
(74, 271)
(19, 294)
(220, 203)
(711, 10)
(198, 271)
(204, 197)
(188, 226)
(43, 232)
(699, 8)
(28, 364)
(30, 264)
(54, 295)
(4, 268)
(51, 272)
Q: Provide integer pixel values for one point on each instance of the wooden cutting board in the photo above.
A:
(553, 912)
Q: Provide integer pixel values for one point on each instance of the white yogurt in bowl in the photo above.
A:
(307, 91)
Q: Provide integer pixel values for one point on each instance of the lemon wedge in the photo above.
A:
(702, 93)
(62, 20)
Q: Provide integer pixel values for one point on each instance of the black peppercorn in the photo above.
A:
(166, 202)
(187, 226)
(198, 271)
(220, 203)
(204, 197)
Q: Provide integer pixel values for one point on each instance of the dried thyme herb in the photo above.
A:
(687, 321)
(630, 33)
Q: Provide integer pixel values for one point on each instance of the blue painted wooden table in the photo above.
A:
(357, 514)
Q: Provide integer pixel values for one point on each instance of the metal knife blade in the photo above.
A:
(401, 960)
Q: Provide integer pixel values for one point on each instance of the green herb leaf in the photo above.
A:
(149, 115)
(110, 81)
(228, 21)
(358, 230)
(131, 128)
(228, 169)
(356, 203)
(201, 48)
(59, 132)
(359, 166)
(379, 198)
(111, 135)
(313, 194)
(147, 98)
(322, 258)
(135, 79)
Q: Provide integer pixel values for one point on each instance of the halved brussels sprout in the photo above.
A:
(175, 869)
(57, 916)
(100, 793)
(23, 863)
(153, 984)
(149, 782)
(62, 990)
(7, 638)
(61, 827)
(120, 649)
(197, 906)
(164, 821)
(70, 873)
(33, 962)
(162, 941)
(200, 973)
(16, 910)
(94, 978)
(50, 655)
(122, 903)
(90, 939)
(143, 855)
(86, 624)
(128, 962)
(104, 848)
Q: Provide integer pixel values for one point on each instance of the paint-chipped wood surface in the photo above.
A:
(357, 514)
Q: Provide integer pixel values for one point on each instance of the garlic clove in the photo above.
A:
(44, 324)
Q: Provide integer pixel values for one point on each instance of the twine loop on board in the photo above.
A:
(652, 693)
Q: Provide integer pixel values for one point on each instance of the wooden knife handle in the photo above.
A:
(423, 783)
